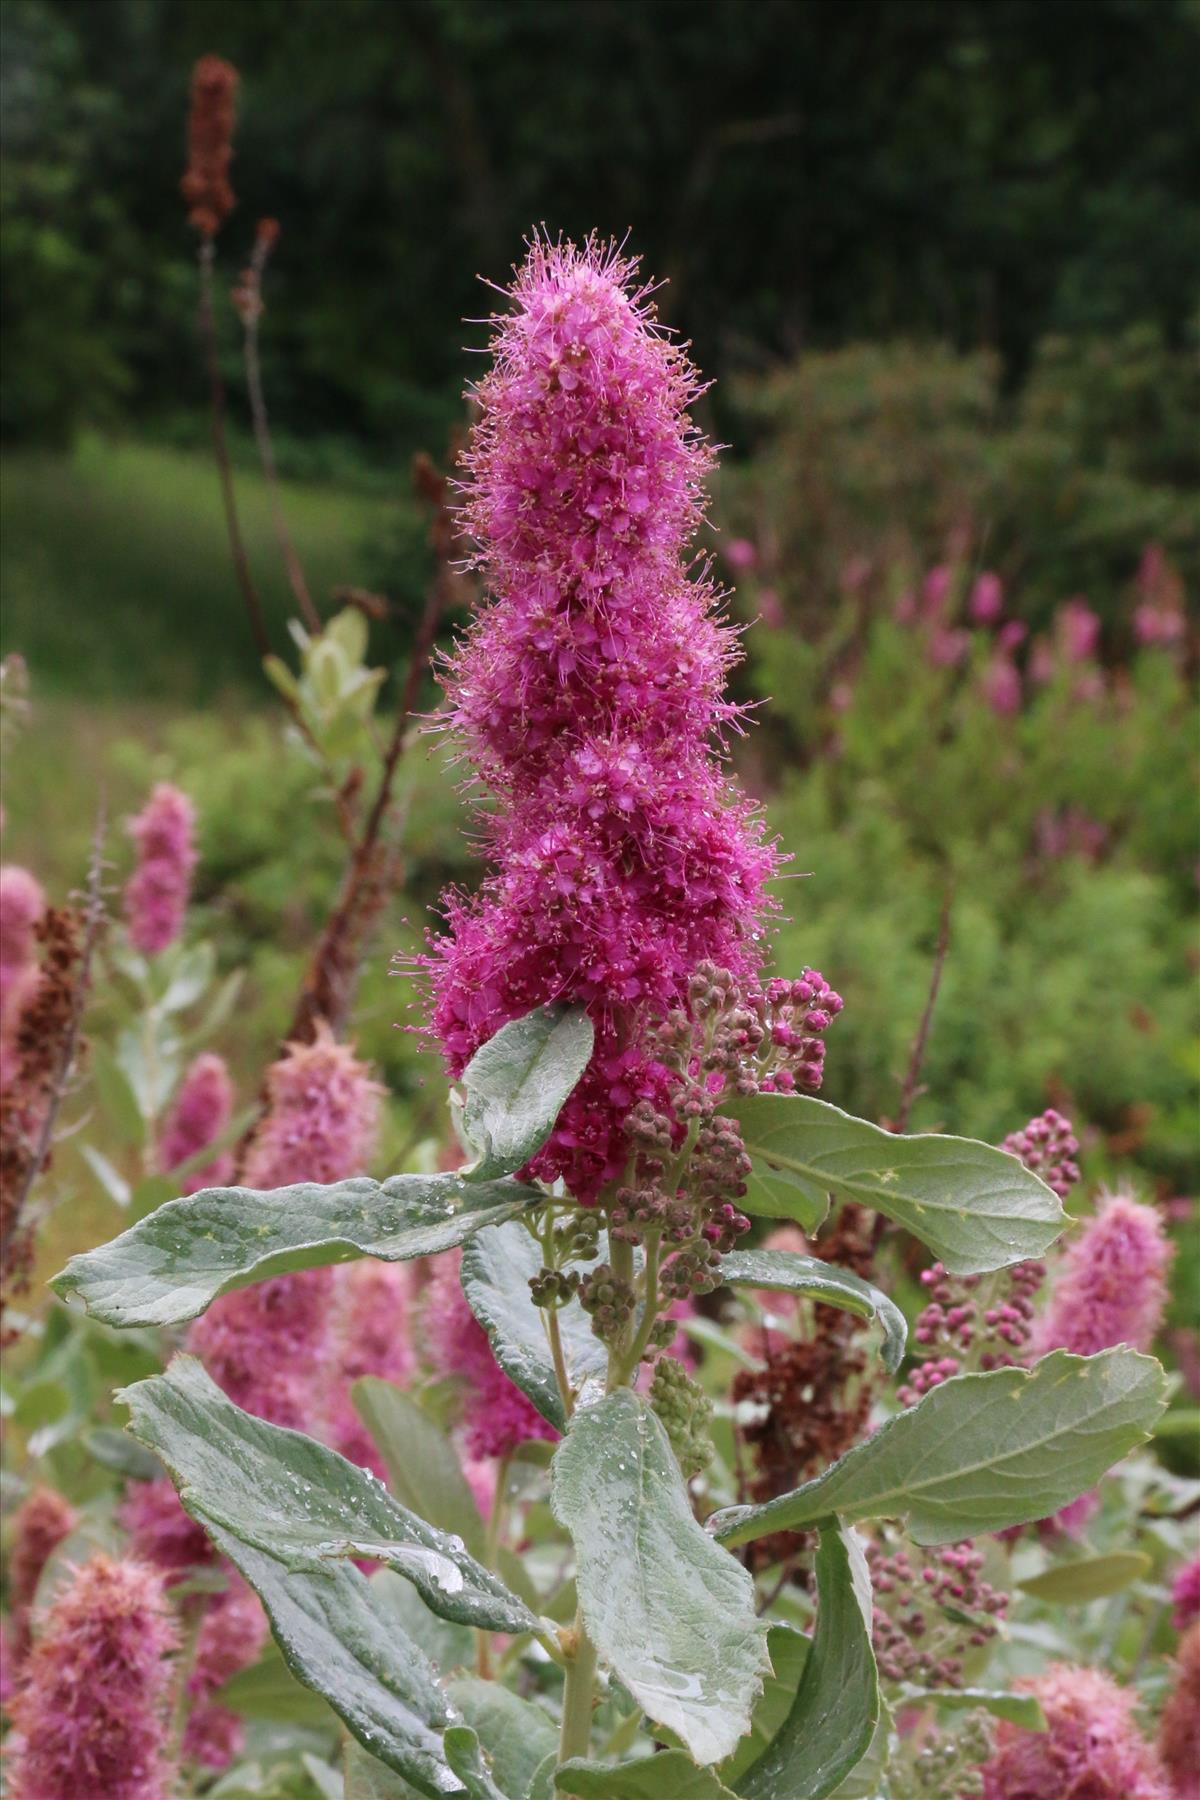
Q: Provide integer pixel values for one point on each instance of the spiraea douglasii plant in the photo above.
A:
(632, 1093)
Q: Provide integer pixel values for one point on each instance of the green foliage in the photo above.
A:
(789, 1273)
(669, 1611)
(497, 1266)
(169, 1267)
(981, 1452)
(975, 1207)
(281, 1491)
(515, 1086)
(837, 1705)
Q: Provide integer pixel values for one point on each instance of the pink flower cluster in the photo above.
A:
(589, 694)
(156, 895)
(232, 1633)
(927, 1618)
(496, 1415)
(90, 1716)
(22, 904)
(1092, 1750)
(202, 1111)
(1111, 1285)
(322, 1116)
(1185, 1595)
(1048, 1147)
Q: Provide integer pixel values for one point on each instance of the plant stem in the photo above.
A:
(560, 1361)
(491, 1544)
(578, 1693)
(216, 387)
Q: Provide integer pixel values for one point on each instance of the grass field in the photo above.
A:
(115, 575)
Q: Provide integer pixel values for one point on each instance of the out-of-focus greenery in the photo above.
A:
(876, 458)
(117, 579)
(803, 171)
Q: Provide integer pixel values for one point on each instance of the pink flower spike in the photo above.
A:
(589, 692)
(1092, 1749)
(1111, 1284)
(202, 1111)
(156, 895)
(22, 904)
(322, 1117)
(91, 1716)
(1185, 1595)
(987, 598)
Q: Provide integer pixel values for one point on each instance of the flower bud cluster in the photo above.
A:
(1048, 1148)
(928, 1616)
(608, 1300)
(686, 1413)
(954, 1326)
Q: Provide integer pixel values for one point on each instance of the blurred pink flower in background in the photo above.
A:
(1078, 629)
(202, 1111)
(987, 598)
(1092, 1749)
(741, 554)
(22, 904)
(1001, 685)
(156, 894)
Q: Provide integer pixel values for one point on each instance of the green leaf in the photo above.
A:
(517, 1735)
(671, 1613)
(1090, 1578)
(793, 1274)
(117, 1097)
(422, 1464)
(193, 971)
(337, 1643)
(788, 1650)
(975, 1207)
(447, 1645)
(1018, 1709)
(285, 1493)
(981, 1452)
(110, 1179)
(168, 1267)
(672, 1773)
(516, 1083)
(837, 1705)
(116, 1450)
(269, 1690)
(368, 1779)
(496, 1267)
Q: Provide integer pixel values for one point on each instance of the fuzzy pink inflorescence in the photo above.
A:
(233, 1632)
(202, 1111)
(270, 1346)
(588, 693)
(1111, 1284)
(496, 1415)
(22, 904)
(322, 1116)
(1092, 1750)
(156, 895)
(91, 1716)
(1185, 1595)
(160, 1532)
(368, 1335)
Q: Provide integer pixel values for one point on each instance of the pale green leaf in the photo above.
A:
(981, 1452)
(1087, 1578)
(171, 1265)
(496, 1268)
(285, 1493)
(110, 1179)
(516, 1083)
(669, 1611)
(269, 1690)
(516, 1735)
(837, 1706)
(975, 1207)
(447, 1645)
(671, 1774)
(1018, 1709)
(789, 1273)
(422, 1464)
